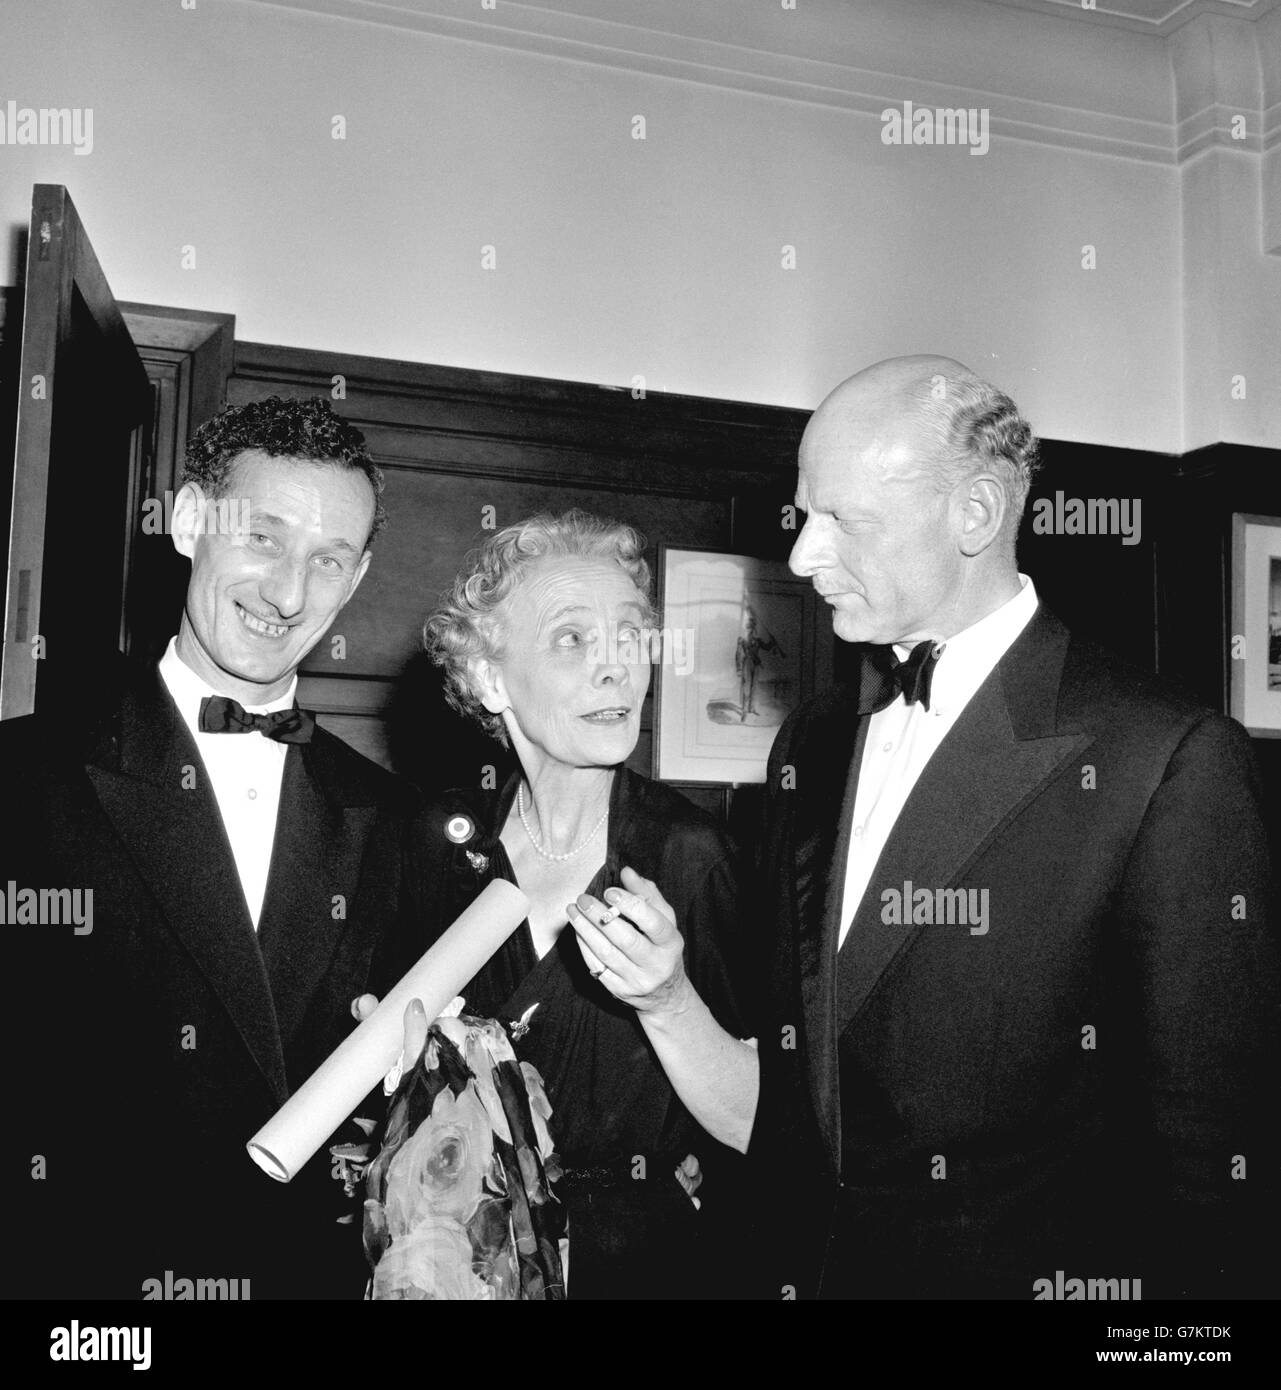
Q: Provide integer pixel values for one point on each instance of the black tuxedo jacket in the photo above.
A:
(151, 1048)
(1087, 1086)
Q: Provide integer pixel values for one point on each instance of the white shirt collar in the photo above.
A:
(971, 655)
(188, 689)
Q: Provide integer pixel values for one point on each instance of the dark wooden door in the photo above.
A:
(79, 466)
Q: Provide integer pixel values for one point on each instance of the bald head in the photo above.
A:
(913, 475)
(933, 416)
(897, 380)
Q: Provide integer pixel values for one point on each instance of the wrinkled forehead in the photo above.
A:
(867, 454)
(312, 494)
(565, 584)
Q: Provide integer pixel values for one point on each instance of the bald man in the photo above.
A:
(1024, 988)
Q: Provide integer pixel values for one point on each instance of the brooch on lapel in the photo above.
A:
(517, 1030)
(460, 829)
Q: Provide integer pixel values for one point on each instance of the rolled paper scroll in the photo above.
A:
(357, 1064)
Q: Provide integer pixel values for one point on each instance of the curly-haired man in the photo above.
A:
(245, 872)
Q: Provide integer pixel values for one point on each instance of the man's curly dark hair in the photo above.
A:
(300, 429)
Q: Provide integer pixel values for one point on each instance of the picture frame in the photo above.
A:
(1255, 637)
(744, 642)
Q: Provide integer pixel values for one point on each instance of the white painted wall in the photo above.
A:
(618, 257)
(1231, 285)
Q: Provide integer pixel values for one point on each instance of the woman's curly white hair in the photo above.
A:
(469, 621)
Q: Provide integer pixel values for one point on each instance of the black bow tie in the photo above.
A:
(885, 677)
(219, 715)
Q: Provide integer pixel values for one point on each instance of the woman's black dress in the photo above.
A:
(618, 1126)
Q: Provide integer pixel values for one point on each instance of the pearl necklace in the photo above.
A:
(538, 849)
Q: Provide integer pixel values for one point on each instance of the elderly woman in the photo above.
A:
(618, 987)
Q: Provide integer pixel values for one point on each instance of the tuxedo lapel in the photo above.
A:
(321, 833)
(153, 787)
(832, 748)
(998, 755)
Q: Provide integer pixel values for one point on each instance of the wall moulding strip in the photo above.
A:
(533, 30)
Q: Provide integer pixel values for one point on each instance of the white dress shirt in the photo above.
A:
(902, 738)
(245, 772)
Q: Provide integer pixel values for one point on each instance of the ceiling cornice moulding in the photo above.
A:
(535, 29)
(1156, 17)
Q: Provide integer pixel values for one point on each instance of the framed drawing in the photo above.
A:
(1255, 655)
(745, 642)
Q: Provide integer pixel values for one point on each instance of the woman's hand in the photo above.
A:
(634, 949)
(415, 1036)
(632, 946)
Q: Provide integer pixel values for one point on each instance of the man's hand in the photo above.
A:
(632, 946)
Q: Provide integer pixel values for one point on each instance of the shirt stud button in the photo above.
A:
(252, 794)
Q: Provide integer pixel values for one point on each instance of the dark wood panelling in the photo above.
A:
(1163, 604)
(454, 443)
(436, 518)
(467, 404)
(715, 473)
(1103, 586)
(1195, 580)
(1195, 572)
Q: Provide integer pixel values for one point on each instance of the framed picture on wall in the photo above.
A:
(744, 642)
(1255, 655)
